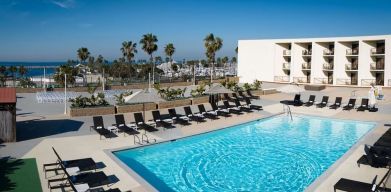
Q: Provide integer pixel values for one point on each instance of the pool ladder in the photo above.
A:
(288, 111)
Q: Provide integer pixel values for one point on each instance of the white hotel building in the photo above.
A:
(352, 61)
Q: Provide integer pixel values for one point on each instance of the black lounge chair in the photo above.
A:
(323, 103)
(85, 164)
(364, 105)
(241, 93)
(235, 96)
(177, 118)
(358, 186)
(252, 106)
(209, 114)
(231, 109)
(92, 179)
(138, 117)
(166, 123)
(100, 128)
(221, 112)
(350, 105)
(296, 101)
(311, 101)
(228, 98)
(251, 95)
(373, 159)
(121, 125)
(337, 103)
(241, 107)
(193, 116)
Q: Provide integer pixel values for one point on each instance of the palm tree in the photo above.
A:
(149, 45)
(22, 71)
(3, 75)
(128, 50)
(169, 49)
(212, 45)
(13, 70)
(233, 61)
(83, 54)
(224, 60)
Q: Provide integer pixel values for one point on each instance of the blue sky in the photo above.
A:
(52, 30)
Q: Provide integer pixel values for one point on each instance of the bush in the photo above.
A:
(199, 91)
(93, 101)
(257, 84)
(120, 99)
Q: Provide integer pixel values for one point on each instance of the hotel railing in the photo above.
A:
(323, 81)
(368, 82)
(286, 66)
(300, 80)
(352, 52)
(376, 51)
(344, 82)
(351, 67)
(328, 66)
(286, 52)
(307, 52)
(306, 66)
(281, 78)
(389, 82)
(377, 66)
(328, 52)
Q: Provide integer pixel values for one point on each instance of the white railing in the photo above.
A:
(328, 52)
(376, 51)
(300, 80)
(389, 82)
(377, 66)
(323, 81)
(286, 65)
(352, 52)
(287, 52)
(344, 82)
(328, 66)
(281, 78)
(307, 52)
(306, 66)
(351, 67)
(368, 82)
(55, 97)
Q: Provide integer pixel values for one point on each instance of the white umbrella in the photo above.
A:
(291, 88)
(372, 97)
(144, 96)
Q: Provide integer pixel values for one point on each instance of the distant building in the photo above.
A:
(355, 61)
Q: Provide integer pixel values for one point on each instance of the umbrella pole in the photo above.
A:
(144, 111)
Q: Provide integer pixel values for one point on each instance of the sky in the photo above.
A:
(52, 30)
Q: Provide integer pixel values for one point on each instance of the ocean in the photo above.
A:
(34, 72)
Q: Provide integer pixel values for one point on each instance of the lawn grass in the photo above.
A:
(19, 175)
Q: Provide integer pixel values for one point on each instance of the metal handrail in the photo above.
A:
(352, 52)
(367, 82)
(287, 110)
(328, 66)
(281, 78)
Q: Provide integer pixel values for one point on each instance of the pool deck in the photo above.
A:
(79, 142)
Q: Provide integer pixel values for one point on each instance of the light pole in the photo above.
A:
(65, 91)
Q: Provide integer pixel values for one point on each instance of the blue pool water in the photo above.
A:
(273, 154)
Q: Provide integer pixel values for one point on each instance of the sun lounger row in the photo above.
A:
(337, 104)
(376, 156)
(241, 96)
(79, 175)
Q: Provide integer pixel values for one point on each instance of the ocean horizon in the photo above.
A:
(34, 72)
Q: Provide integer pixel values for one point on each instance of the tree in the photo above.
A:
(224, 61)
(149, 45)
(59, 76)
(3, 75)
(234, 61)
(169, 49)
(13, 70)
(212, 45)
(158, 60)
(83, 54)
(129, 50)
(22, 71)
(91, 61)
(237, 49)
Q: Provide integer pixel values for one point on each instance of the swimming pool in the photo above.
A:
(272, 154)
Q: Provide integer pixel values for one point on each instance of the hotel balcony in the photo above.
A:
(368, 82)
(328, 81)
(328, 66)
(346, 81)
(352, 52)
(379, 66)
(286, 53)
(377, 51)
(286, 66)
(328, 52)
(307, 53)
(351, 67)
(306, 66)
